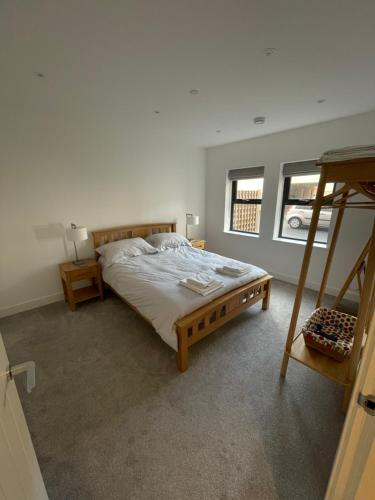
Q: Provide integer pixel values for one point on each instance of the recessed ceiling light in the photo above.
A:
(218, 131)
(194, 91)
(269, 51)
(259, 120)
(320, 101)
(40, 75)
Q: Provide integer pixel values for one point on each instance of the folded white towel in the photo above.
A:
(201, 280)
(233, 269)
(216, 285)
(234, 272)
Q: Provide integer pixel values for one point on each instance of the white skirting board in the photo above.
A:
(56, 297)
(31, 304)
(350, 294)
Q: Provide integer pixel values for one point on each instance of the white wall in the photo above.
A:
(53, 173)
(283, 259)
(98, 177)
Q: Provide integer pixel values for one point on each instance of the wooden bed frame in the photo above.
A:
(205, 320)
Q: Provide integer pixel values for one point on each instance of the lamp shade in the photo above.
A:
(192, 220)
(77, 233)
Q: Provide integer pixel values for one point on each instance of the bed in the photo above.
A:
(149, 285)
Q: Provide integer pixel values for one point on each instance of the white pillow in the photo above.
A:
(116, 251)
(162, 241)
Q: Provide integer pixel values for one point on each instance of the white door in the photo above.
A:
(353, 473)
(20, 477)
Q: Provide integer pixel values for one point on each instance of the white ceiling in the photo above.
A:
(115, 62)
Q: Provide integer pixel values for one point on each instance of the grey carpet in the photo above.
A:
(112, 418)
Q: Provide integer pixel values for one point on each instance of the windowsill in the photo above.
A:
(239, 233)
(299, 242)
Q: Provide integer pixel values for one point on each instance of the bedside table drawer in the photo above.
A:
(82, 274)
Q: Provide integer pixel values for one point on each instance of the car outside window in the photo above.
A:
(296, 211)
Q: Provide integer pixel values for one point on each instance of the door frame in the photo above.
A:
(351, 475)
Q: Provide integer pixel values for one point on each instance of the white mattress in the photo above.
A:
(151, 284)
(348, 153)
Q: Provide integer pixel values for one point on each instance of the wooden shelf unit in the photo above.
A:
(358, 177)
(85, 293)
(200, 244)
(72, 273)
(330, 368)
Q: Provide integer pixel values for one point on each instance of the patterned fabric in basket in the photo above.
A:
(330, 332)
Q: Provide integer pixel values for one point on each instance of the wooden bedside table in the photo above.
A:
(70, 273)
(198, 244)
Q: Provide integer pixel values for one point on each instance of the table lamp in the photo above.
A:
(75, 234)
(191, 220)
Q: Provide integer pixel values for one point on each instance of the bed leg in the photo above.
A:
(266, 299)
(183, 352)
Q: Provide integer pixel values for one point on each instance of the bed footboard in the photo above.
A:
(209, 318)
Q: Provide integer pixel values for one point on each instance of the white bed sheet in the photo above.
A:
(151, 284)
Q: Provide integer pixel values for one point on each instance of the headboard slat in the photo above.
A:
(104, 236)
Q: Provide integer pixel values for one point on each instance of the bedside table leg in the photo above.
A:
(64, 289)
(72, 304)
(99, 284)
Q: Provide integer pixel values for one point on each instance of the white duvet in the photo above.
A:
(151, 284)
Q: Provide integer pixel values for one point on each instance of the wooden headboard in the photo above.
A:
(103, 236)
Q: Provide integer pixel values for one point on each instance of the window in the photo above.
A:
(246, 199)
(300, 186)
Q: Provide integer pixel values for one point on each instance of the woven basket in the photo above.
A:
(330, 332)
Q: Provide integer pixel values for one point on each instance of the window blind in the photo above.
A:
(307, 167)
(245, 173)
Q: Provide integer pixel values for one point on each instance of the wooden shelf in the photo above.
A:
(357, 177)
(88, 292)
(320, 363)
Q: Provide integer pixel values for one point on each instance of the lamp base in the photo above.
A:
(79, 262)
